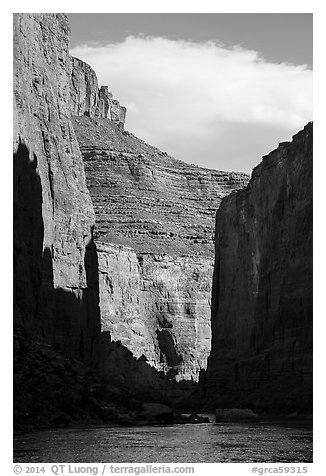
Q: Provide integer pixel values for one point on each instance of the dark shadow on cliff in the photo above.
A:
(167, 348)
(57, 334)
(55, 362)
(51, 325)
(274, 373)
(69, 318)
(76, 314)
(282, 337)
(54, 390)
(64, 368)
(141, 381)
(28, 232)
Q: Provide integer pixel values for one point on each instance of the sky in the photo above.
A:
(218, 90)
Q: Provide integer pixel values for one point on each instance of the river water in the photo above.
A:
(268, 442)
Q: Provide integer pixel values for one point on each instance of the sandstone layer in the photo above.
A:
(55, 265)
(262, 291)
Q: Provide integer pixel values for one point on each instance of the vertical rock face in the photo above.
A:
(262, 290)
(55, 265)
(87, 99)
(158, 307)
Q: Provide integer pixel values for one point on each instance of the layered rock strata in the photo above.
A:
(55, 265)
(158, 307)
(154, 237)
(262, 290)
(145, 199)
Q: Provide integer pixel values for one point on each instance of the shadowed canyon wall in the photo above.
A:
(262, 290)
(55, 267)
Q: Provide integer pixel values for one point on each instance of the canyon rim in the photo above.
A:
(150, 292)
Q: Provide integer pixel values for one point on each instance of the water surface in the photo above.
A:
(202, 443)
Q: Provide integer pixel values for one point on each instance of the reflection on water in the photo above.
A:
(204, 443)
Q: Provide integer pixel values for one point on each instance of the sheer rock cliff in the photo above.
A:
(55, 264)
(158, 307)
(262, 290)
(87, 99)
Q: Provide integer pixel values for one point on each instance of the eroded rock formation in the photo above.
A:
(154, 236)
(262, 292)
(87, 99)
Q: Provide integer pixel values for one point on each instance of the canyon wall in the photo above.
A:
(262, 290)
(152, 269)
(55, 263)
(148, 261)
(154, 237)
(158, 307)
